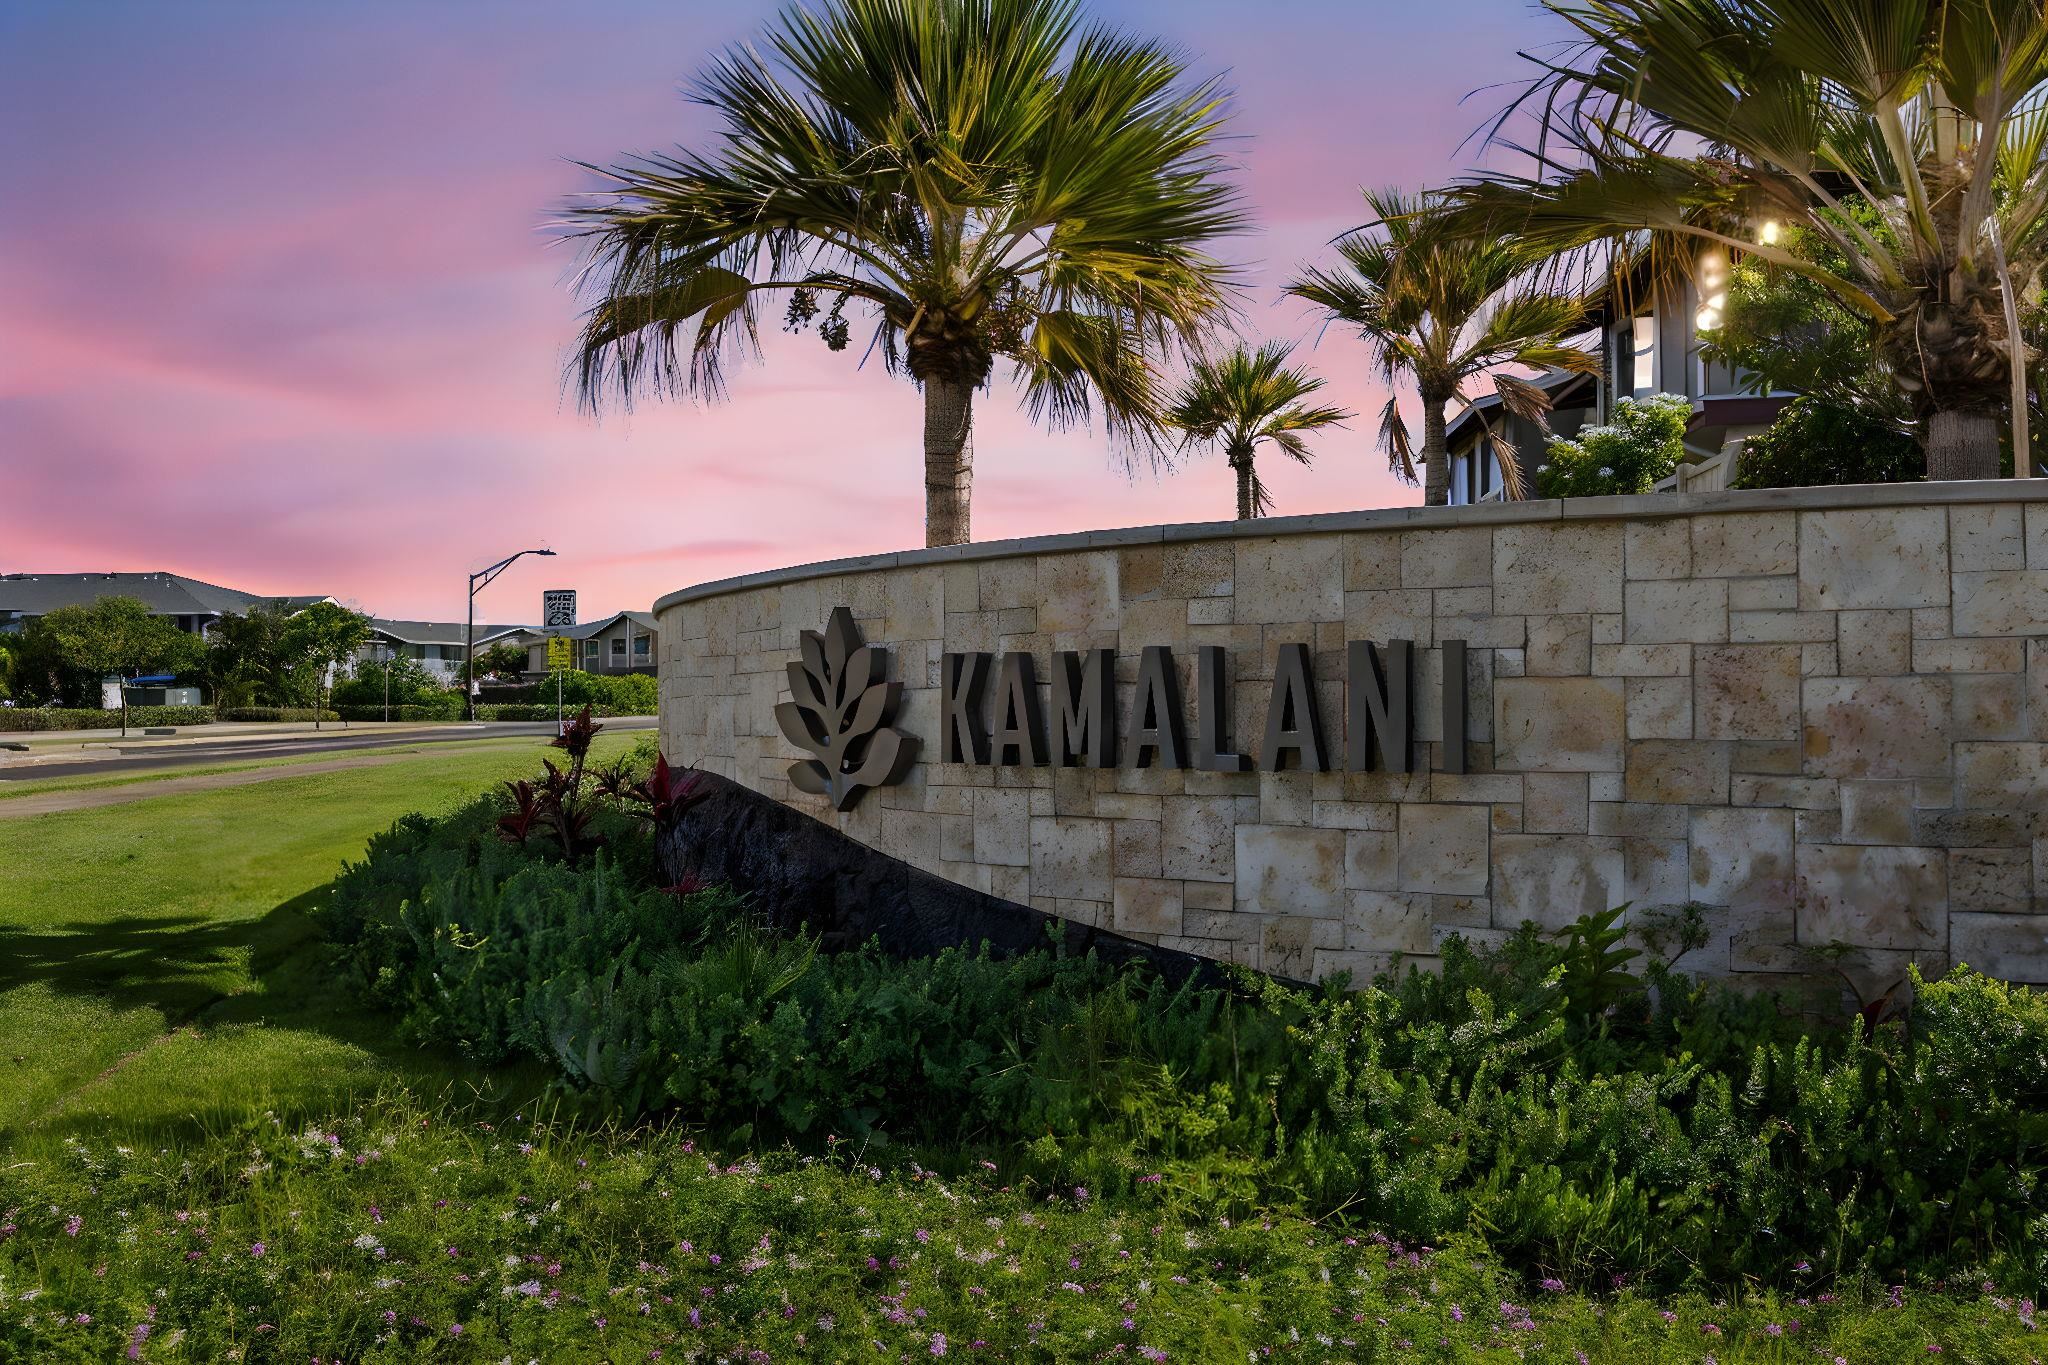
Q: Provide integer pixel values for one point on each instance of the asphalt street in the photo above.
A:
(140, 755)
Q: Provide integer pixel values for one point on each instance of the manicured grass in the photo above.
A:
(31, 786)
(157, 971)
(396, 1234)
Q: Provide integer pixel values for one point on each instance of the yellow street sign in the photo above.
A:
(561, 652)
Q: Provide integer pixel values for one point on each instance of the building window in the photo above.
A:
(590, 653)
(618, 647)
(1643, 355)
(1461, 480)
(641, 648)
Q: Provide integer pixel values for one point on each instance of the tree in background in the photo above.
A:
(1815, 441)
(318, 640)
(116, 637)
(1440, 310)
(1248, 399)
(34, 672)
(246, 662)
(1929, 112)
(406, 682)
(501, 661)
(982, 178)
(1643, 444)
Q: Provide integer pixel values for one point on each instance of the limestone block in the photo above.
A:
(1072, 859)
(1659, 549)
(1872, 896)
(2011, 947)
(915, 605)
(2003, 777)
(2004, 602)
(1146, 905)
(1991, 706)
(1372, 561)
(1742, 857)
(1546, 569)
(1991, 880)
(1877, 727)
(1285, 797)
(1559, 724)
(956, 838)
(1607, 627)
(1456, 557)
(1282, 870)
(1554, 803)
(1642, 661)
(1819, 660)
(1002, 826)
(1682, 772)
(1380, 922)
(1078, 592)
(2037, 535)
(1558, 646)
(1136, 845)
(1875, 643)
(1443, 848)
(1763, 594)
(1655, 873)
(1208, 611)
(1746, 692)
(1877, 812)
(1874, 557)
(1962, 655)
(1931, 623)
(1692, 610)
(1745, 544)
(1659, 708)
(1219, 897)
(1395, 614)
(1553, 879)
(1290, 578)
(1341, 814)
(1798, 627)
(1798, 793)
(1372, 860)
(1636, 819)
(1359, 967)
(1007, 583)
(1986, 537)
(1202, 568)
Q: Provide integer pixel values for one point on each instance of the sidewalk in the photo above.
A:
(221, 730)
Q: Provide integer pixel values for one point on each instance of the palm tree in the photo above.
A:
(1247, 399)
(983, 178)
(1441, 309)
(1907, 135)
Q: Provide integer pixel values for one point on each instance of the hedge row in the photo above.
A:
(269, 713)
(518, 711)
(79, 718)
(404, 711)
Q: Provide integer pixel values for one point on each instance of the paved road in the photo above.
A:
(138, 755)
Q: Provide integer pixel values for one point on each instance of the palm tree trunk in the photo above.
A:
(1246, 508)
(948, 460)
(1962, 445)
(1436, 455)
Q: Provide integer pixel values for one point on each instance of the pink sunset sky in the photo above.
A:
(278, 308)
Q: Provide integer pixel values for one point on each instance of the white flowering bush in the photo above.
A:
(1643, 444)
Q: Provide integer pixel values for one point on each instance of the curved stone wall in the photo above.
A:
(1821, 714)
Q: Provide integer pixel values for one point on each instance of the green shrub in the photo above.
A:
(1587, 1118)
(1815, 442)
(277, 713)
(374, 1235)
(19, 718)
(541, 711)
(623, 694)
(1644, 443)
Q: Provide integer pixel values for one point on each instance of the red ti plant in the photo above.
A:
(668, 793)
(517, 825)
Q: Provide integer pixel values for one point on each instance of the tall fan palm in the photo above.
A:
(1439, 310)
(983, 178)
(1248, 399)
(1908, 134)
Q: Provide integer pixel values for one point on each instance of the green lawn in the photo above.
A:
(157, 973)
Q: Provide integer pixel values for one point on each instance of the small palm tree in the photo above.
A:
(982, 178)
(1908, 136)
(1248, 399)
(1440, 310)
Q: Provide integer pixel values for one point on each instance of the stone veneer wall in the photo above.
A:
(1822, 712)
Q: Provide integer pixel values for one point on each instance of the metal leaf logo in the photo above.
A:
(840, 712)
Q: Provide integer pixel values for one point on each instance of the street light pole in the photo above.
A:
(480, 579)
